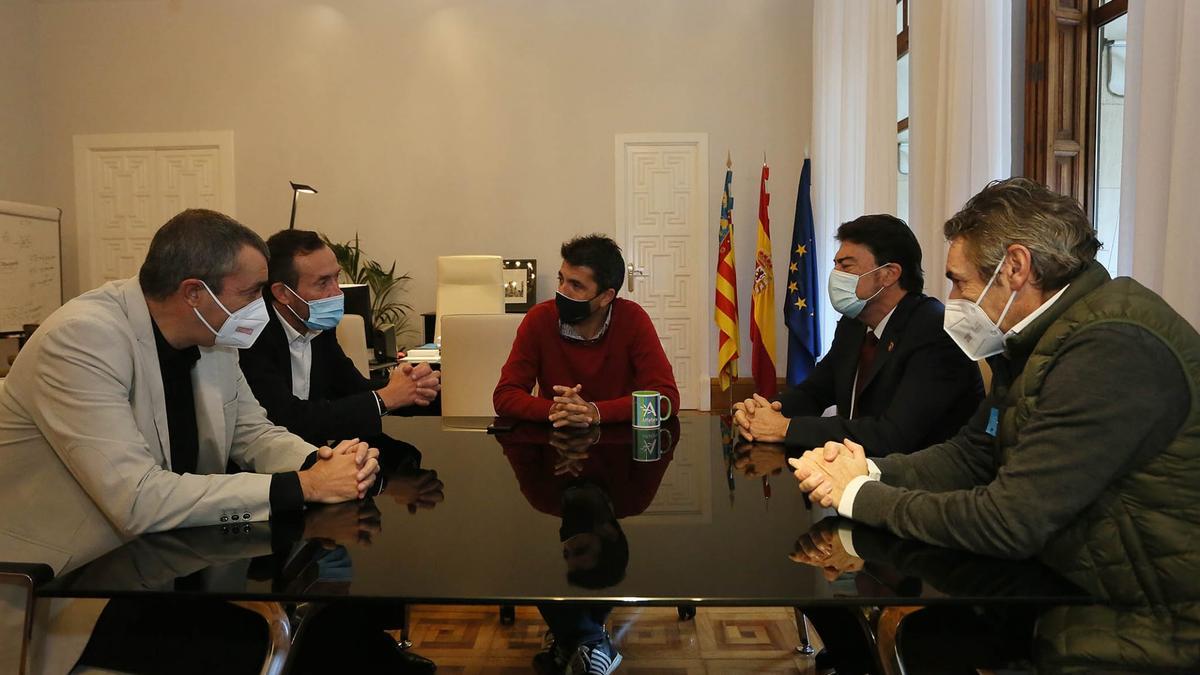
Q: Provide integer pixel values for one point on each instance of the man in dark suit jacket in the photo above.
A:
(300, 374)
(896, 377)
(297, 369)
(894, 374)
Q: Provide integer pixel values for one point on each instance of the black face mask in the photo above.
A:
(572, 311)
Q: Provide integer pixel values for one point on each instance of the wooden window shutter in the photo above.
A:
(1056, 97)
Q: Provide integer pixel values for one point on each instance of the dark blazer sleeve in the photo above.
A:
(340, 403)
(334, 371)
(818, 391)
(930, 381)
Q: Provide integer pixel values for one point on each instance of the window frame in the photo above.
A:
(1098, 17)
(901, 51)
(1062, 51)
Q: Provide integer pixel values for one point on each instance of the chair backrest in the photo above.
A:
(474, 348)
(468, 284)
(985, 371)
(17, 611)
(352, 336)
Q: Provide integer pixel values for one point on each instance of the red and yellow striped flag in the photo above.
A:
(726, 312)
(762, 301)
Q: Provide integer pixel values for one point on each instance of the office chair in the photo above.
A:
(474, 348)
(468, 284)
(352, 337)
(17, 583)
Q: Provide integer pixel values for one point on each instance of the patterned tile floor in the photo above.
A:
(652, 640)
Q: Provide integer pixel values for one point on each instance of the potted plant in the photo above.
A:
(386, 288)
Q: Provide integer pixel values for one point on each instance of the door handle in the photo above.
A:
(634, 272)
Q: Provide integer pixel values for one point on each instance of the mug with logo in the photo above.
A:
(649, 444)
(647, 409)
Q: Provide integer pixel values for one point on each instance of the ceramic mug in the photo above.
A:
(647, 409)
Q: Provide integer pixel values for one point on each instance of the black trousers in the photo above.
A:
(956, 639)
(185, 636)
(198, 636)
(844, 636)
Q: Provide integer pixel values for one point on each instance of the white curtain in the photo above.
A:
(1160, 222)
(854, 124)
(960, 126)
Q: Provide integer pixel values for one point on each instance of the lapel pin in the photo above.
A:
(891, 345)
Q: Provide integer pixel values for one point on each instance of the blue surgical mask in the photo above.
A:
(323, 314)
(843, 292)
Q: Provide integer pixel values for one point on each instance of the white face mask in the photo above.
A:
(242, 327)
(843, 292)
(969, 326)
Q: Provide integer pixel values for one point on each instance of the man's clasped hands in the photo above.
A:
(823, 473)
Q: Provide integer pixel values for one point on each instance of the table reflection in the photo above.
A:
(535, 517)
(591, 478)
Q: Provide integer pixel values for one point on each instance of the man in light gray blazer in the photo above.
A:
(121, 413)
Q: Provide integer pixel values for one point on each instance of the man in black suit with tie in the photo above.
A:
(297, 369)
(894, 374)
(896, 377)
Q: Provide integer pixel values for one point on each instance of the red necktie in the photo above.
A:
(866, 357)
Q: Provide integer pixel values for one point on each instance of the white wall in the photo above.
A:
(19, 151)
(437, 127)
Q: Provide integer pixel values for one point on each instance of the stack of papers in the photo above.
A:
(424, 354)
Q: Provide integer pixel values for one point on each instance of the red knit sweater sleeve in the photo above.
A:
(511, 397)
(652, 370)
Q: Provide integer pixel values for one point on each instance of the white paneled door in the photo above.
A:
(128, 185)
(662, 221)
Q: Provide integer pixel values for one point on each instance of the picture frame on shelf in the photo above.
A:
(520, 284)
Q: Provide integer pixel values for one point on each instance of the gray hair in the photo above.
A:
(195, 244)
(1054, 228)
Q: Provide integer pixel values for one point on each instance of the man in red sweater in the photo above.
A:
(587, 350)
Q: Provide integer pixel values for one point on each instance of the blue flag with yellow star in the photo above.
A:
(800, 306)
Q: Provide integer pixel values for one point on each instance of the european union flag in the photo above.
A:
(800, 306)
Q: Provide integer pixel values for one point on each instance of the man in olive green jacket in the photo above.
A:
(1086, 452)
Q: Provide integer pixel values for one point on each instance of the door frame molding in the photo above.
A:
(85, 144)
(701, 312)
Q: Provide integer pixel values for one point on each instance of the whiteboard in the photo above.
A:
(30, 264)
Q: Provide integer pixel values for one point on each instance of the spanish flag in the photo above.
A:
(762, 301)
(726, 311)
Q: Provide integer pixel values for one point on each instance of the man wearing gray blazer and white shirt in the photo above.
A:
(122, 411)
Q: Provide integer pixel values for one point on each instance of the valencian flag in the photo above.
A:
(800, 306)
(762, 301)
(726, 312)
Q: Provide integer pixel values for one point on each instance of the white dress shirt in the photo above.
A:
(846, 505)
(300, 348)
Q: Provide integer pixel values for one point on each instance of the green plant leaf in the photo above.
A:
(385, 287)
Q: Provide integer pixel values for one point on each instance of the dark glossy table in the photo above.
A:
(699, 532)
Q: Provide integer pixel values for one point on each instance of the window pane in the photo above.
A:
(902, 87)
(1109, 125)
